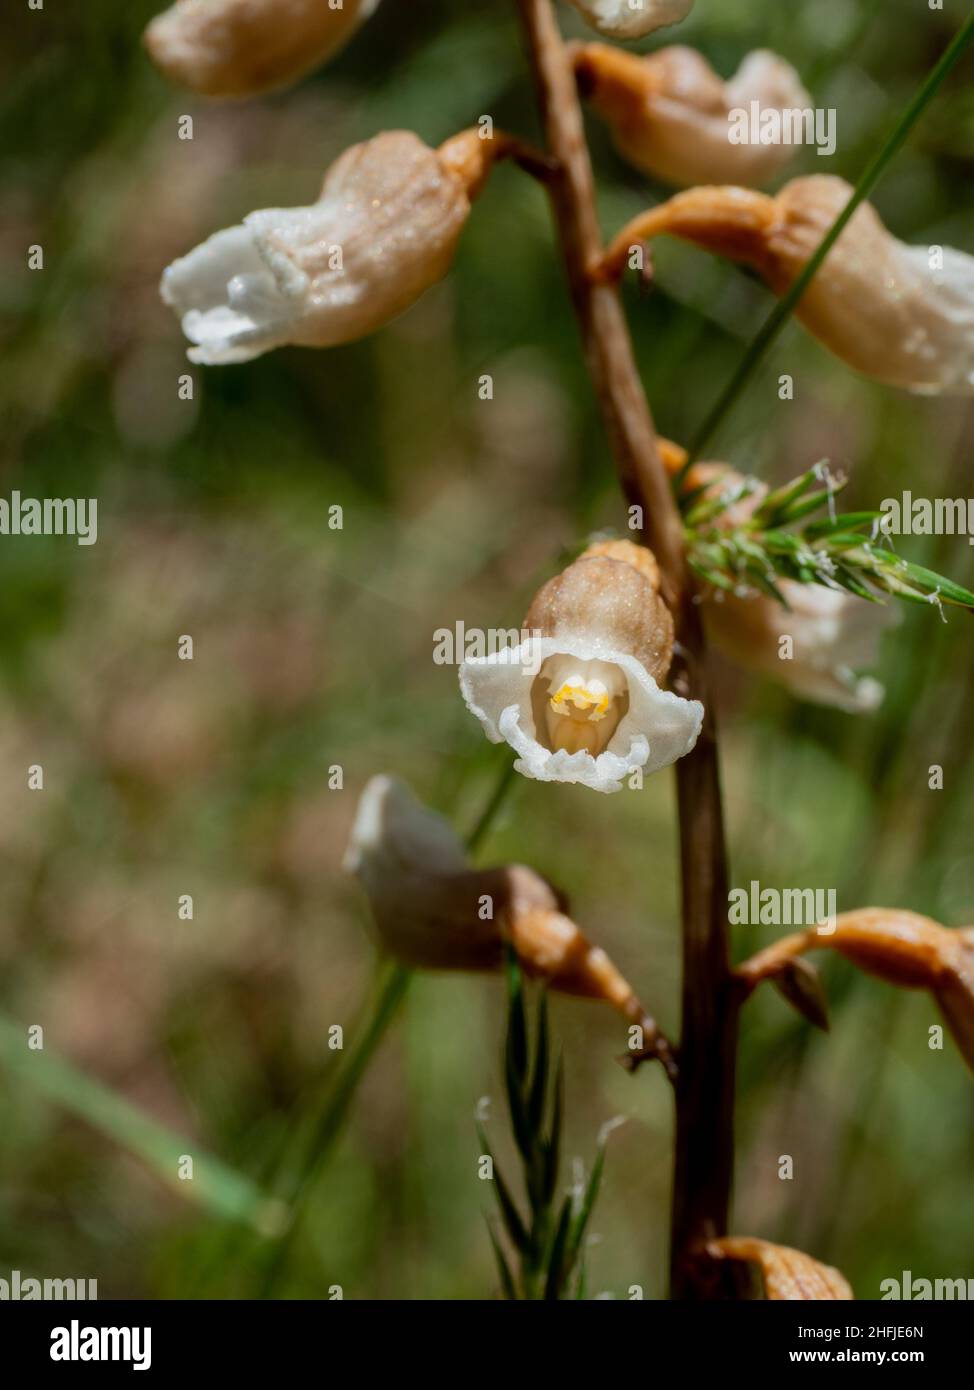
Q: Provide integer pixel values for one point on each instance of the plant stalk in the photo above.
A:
(703, 1165)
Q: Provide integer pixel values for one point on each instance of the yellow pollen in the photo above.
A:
(592, 701)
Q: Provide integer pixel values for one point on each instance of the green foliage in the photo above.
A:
(841, 551)
(548, 1242)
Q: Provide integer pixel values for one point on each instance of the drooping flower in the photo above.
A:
(902, 314)
(820, 644)
(901, 948)
(238, 48)
(384, 229)
(787, 1275)
(834, 636)
(669, 112)
(581, 699)
(434, 910)
(631, 19)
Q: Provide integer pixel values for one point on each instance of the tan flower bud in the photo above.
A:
(902, 314)
(580, 700)
(237, 48)
(631, 19)
(384, 229)
(902, 948)
(787, 1274)
(670, 113)
(435, 911)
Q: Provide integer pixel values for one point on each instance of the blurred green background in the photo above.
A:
(313, 647)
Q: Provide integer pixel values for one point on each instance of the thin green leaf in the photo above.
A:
(539, 1080)
(516, 1228)
(558, 1267)
(215, 1185)
(867, 181)
(503, 1269)
(517, 1032)
(553, 1144)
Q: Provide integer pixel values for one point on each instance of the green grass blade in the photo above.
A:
(219, 1188)
(868, 180)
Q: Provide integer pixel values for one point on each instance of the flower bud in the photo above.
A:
(669, 112)
(631, 19)
(901, 948)
(902, 314)
(435, 911)
(787, 1274)
(580, 700)
(384, 229)
(237, 48)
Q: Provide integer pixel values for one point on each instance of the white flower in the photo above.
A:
(669, 112)
(384, 229)
(236, 48)
(630, 19)
(834, 637)
(581, 700)
(901, 314)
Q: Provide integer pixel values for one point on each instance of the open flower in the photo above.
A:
(237, 48)
(902, 314)
(631, 19)
(902, 948)
(581, 699)
(434, 910)
(669, 112)
(384, 229)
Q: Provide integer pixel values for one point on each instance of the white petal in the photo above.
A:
(394, 832)
(657, 728)
(630, 19)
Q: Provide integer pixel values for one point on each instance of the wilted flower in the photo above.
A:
(902, 948)
(435, 911)
(384, 229)
(902, 314)
(630, 19)
(788, 1275)
(669, 112)
(237, 48)
(581, 699)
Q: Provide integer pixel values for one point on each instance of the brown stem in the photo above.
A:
(704, 1088)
